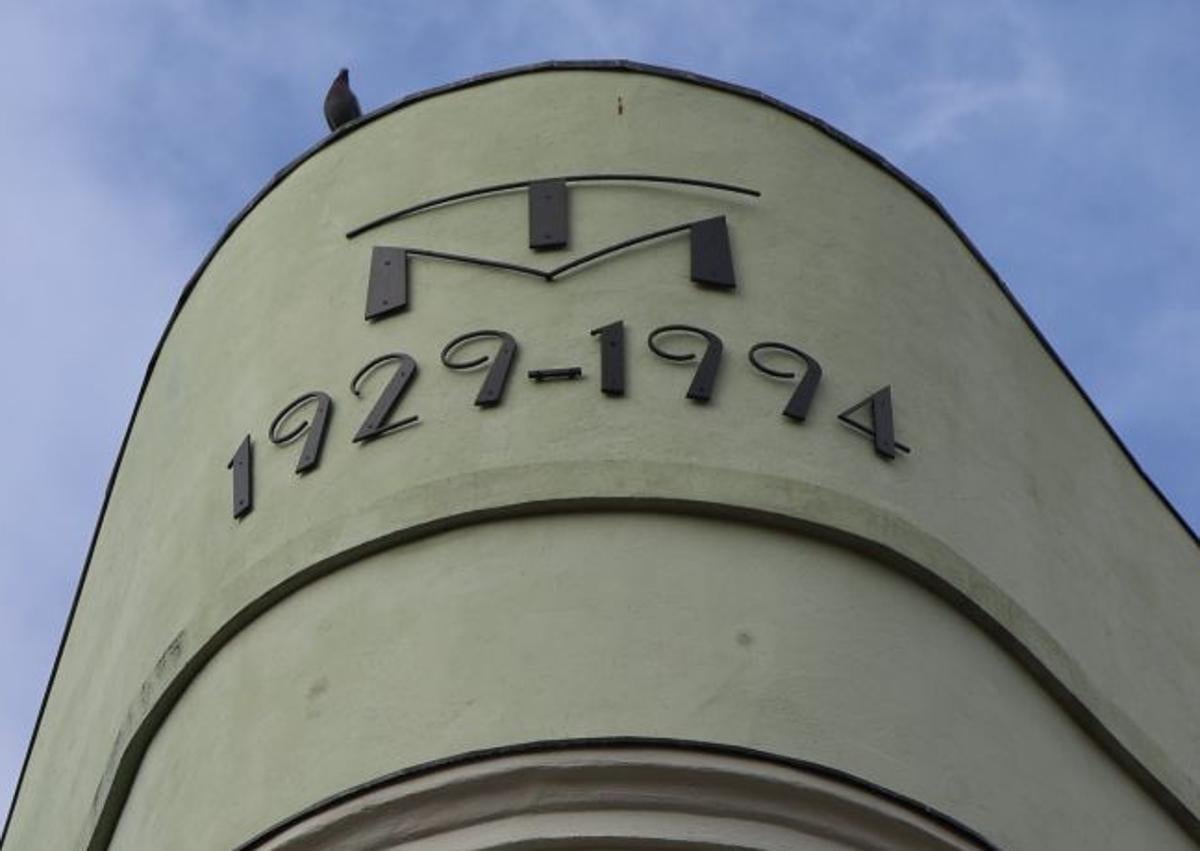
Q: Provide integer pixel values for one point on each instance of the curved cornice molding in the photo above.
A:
(538, 489)
(619, 793)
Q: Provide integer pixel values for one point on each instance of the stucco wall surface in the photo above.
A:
(586, 625)
(1015, 498)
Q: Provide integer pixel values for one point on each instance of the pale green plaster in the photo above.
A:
(1015, 495)
(626, 624)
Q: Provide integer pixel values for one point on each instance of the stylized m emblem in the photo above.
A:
(548, 203)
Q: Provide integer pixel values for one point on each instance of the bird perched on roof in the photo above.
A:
(341, 106)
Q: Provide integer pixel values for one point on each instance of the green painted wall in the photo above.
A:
(626, 624)
(1015, 500)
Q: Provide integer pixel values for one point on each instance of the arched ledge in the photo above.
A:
(505, 492)
(618, 794)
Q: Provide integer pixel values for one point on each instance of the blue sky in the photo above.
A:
(1061, 136)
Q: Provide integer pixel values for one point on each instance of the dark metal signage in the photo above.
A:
(389, 278)
(388, 293)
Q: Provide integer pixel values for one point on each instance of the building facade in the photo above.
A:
(596, 456)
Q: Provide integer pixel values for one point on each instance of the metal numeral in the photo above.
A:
(701, 388)
(612, 358)
(492, 391)
(376, 424)
(882, 428)
(801, 400)
(310, 455)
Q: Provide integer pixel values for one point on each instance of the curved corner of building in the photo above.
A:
(597, 453)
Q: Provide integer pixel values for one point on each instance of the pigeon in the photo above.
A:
(341, 106)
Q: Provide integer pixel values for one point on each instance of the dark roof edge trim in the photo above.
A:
(625, 65)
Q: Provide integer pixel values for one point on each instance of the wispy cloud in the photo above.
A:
(943, 111)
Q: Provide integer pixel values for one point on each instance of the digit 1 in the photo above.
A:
(243, 479)
(376, 424)
(612, 358)
(882, 429)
